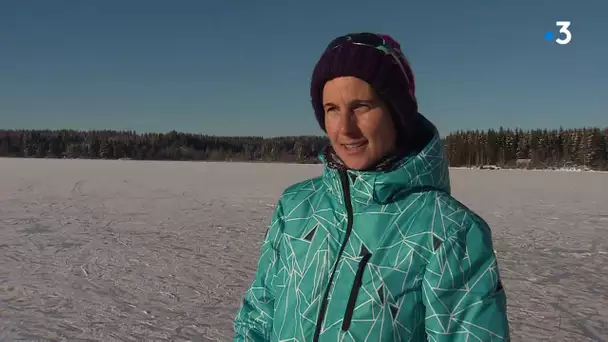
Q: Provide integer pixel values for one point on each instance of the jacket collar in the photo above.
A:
(425, 170)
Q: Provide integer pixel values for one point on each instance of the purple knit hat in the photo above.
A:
(394, 85)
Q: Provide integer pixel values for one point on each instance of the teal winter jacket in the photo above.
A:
(376, 256)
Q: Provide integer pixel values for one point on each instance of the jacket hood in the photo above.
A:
(426, 170)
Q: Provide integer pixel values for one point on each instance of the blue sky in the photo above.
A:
(243, 68)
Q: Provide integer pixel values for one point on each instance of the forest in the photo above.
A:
(585, 148)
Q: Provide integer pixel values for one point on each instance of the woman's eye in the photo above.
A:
(361, 107)
(331, 110)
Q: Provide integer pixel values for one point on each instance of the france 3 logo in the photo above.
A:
(564, 36)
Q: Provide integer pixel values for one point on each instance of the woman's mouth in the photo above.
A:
(352, 148)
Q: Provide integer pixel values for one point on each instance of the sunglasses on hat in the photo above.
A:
(372, 40)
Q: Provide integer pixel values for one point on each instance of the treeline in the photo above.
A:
(586, 147)
(156, 146)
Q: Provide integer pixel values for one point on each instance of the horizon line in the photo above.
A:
(136, 132)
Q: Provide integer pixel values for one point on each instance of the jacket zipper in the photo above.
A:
(349, 228)
(354, 292)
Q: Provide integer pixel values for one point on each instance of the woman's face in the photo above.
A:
(358, 123)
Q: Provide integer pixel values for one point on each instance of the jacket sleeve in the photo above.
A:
(462, 290)
(254, 318)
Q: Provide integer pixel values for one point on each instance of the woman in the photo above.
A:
(376, 249)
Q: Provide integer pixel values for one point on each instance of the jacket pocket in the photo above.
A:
(354, 292)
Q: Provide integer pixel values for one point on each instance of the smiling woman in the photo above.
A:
(357, 122)
(375, 249)
(364, 97)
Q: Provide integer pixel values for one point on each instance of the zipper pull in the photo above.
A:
(354, 292)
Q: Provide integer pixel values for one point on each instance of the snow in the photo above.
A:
(139, 250)
(561, 169)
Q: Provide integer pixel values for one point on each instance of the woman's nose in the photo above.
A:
(348, 122)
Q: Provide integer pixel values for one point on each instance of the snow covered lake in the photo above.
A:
(131, 250)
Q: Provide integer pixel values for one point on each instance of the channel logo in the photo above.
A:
(564, 36)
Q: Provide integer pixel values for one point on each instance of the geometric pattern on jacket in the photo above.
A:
(417, 265)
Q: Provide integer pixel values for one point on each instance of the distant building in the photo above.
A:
(523, 163)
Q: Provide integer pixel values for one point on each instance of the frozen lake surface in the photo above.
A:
(131, 250)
